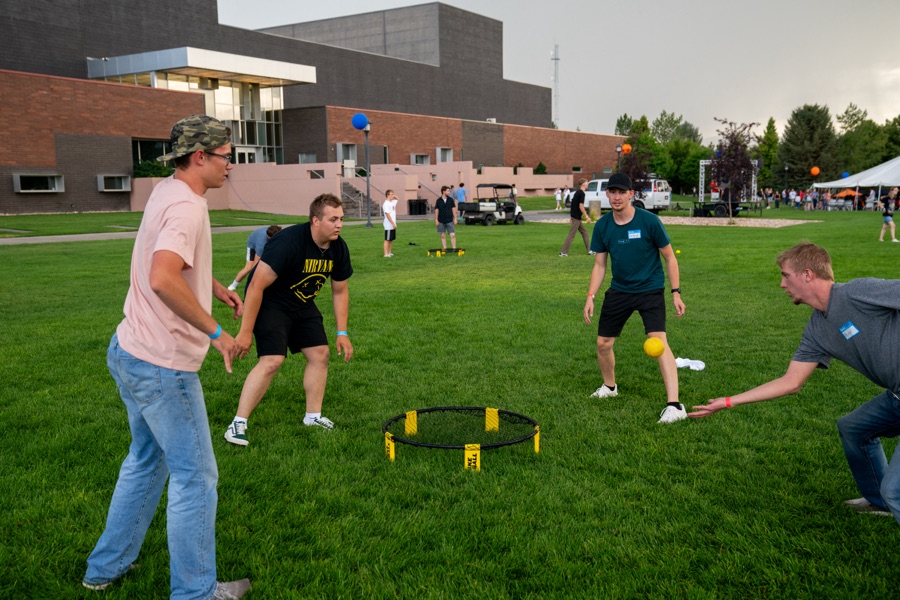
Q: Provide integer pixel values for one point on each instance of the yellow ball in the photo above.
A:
(678, 252)
(654, 347)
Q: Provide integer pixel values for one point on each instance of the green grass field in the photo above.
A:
(745, 504)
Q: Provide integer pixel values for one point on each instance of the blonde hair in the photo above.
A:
(807, 255)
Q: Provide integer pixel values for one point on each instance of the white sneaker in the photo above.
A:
(605, 392)
(237, 433)
(563, 254)
(670, 414)
(322, 422)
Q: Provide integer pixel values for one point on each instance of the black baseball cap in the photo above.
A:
(619, 181)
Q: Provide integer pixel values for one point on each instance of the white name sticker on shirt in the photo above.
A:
(634, 234)
(849, 329)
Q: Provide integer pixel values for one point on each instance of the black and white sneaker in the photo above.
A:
(323, 422)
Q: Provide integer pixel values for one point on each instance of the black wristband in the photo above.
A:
(676, 290)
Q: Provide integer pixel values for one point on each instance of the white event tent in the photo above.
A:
(884, 175)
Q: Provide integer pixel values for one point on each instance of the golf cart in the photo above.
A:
(492, 204)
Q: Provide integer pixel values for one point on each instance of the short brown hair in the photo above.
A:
(582, 181)
(317, 208)
(807, 255)
(272, 230)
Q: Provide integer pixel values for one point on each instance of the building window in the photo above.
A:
(444, 154)
(113, 183)
(419, 159)
(308, 158)
(576, 169)
(148, 149)
(38, 184)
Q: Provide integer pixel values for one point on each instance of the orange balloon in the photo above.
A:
(626, 148)
(814, 171)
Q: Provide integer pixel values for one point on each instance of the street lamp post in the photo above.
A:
(784, 189)
(618, 156)
(361, 122)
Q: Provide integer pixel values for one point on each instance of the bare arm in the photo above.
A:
(263, 278)
(598, 272)
(340, 296)
(168, 283)
(790, 383)
(674, 277)
(247, 268)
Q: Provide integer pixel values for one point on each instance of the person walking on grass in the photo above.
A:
(280, 311)
(445, 218)
(887, 212)
(558, 195)
(389, 208)
(858, 323)
(577, 217)
(635, 240)
(256, 241)
(154, 357)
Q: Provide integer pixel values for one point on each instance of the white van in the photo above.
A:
(656, 195)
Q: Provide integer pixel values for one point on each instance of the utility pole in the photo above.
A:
(554, 57)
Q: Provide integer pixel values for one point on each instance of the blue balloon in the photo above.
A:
(360, 121)
(845, 174)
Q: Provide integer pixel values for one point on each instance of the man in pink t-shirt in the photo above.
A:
(154, 357)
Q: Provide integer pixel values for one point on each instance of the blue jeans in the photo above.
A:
(170, 439)
(861, 430)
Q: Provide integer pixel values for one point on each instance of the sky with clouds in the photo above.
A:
(744, 61)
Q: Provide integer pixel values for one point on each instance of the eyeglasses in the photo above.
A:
(226, 157)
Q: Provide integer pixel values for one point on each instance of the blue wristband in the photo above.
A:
(341, 333)
(215, 336)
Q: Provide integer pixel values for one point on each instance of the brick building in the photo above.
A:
(92, 87)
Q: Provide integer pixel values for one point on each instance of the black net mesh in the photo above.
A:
(456, 426)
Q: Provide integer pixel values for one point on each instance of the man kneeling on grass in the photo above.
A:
(858, 323)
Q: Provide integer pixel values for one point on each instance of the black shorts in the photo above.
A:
(276, 331)
(618, 306)
(390, 235)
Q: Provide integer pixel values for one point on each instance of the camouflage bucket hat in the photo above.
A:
(197, 132)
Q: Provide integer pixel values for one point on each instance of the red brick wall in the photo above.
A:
(407, 134)
(560, 150)
(403, 134)
(37, 107)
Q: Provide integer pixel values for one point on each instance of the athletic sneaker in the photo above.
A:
(322, 422)
(605, 392)
(861, 505)
(563, 254)
(231, 590)
(591, 253)
(237, 433)
(106, 584)
(670, 414)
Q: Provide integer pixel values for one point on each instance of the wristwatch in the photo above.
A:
(676, 290)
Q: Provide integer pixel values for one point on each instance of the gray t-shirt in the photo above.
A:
(861, 328)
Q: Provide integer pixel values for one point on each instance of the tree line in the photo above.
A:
(851, 142)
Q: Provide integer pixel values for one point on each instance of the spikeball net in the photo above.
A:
(467, 428)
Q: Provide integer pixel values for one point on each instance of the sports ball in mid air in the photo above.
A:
(654, 347)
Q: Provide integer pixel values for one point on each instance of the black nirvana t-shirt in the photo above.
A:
(302, 267)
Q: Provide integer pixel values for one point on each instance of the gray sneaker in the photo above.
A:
(861, 505)
(105, 584)
(671, 414)
(237, 433)
(231, 590)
